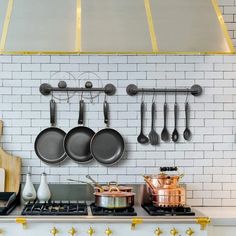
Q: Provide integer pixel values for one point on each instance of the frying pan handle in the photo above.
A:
(105, 111)
(52, 112)
(81, 112)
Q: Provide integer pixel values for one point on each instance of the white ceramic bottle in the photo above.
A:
(28, 193)
(43, 193)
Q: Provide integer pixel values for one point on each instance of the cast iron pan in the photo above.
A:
(77, 140)
(107, 145)
(49, 142)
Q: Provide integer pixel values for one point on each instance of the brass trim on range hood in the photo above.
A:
(78, 45)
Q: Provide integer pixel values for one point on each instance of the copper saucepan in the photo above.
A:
(165, 188)
(114, 199)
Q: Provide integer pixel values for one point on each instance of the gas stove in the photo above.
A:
(55, 208)
(168, 211)
(99, 211)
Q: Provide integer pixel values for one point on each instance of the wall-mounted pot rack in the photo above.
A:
(195, 90)
(47, 89)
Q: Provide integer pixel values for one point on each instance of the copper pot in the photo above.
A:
(165, 188)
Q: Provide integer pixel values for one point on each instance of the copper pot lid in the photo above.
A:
(114, 192)
(115, 184)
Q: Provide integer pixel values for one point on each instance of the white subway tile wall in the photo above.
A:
(208, 160)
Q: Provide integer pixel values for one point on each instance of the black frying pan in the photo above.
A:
(107, 145)
(49, 142)
(77, 140)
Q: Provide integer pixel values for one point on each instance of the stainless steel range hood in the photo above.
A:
(113, 27)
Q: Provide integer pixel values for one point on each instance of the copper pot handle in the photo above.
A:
(114, 189)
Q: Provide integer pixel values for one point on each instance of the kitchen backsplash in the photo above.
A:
(208, 160)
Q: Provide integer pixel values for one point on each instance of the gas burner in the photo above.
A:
(99, 211)
(55, 208)
(168, 211)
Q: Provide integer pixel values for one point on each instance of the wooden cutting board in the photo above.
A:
(12, 166)
(2, 180)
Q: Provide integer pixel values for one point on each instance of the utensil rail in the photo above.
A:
(195, 90)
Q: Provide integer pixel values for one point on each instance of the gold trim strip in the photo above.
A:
(223, 25)
(78, 27)
(110, 53)
(6, 25)
(151, 25)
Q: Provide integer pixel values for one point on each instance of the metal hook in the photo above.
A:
(81, 97)
(142, 98)
(105, 97)
(68, 97)
(186, 100)
(91, 97)
(154, 96)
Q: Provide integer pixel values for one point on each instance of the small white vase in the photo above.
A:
(43, 193)
(28, 193)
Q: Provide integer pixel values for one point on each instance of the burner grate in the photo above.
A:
(55, 208)
(99, 211)
(168, 211)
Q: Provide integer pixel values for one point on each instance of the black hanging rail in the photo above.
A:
(195, 90)
(47, 89)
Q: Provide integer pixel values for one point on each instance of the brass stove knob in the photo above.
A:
(91, 231)
(108, 232)
(158, 232)
(54, 231)
(189, 232)
(174, 232)
(72, 231)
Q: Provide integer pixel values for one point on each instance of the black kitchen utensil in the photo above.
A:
(77, 140)
(107, 145)
(175, 134)
(165, 136)
(49, 142)
(187, 132)
(153, 136)
(143, 139)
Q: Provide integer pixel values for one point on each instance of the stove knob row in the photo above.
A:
(54, 231)
(173, 232)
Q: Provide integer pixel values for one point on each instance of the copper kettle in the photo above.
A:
(165, 188)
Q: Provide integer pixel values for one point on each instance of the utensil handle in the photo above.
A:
(153, 113)
(165, 113)
(164, 168)
(81, 112)
(105, 112)
(142, 114)
(186, 114)
(52, 112)
(175, 111)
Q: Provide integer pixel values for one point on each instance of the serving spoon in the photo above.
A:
(175, 134)
(187, 132)
(143, 139)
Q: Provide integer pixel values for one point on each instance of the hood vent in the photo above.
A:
(112, 27)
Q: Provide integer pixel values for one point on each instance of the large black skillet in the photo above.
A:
(49, 142)
(107, 145)
(77, 140)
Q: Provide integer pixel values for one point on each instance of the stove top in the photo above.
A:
(55, 208)
(168, 211)
(99, 211)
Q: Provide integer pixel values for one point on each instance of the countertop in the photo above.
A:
(217, 215)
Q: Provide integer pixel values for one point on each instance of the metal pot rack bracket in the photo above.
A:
(46, 89)
(195, 90)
